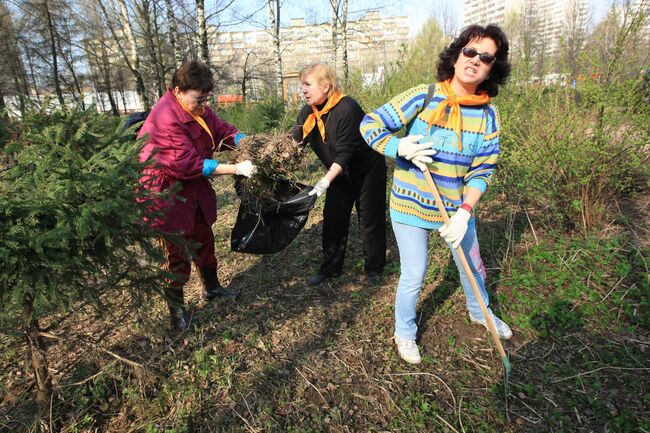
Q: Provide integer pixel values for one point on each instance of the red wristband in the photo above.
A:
(467, 207)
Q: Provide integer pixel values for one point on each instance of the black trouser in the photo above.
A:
(368, 194)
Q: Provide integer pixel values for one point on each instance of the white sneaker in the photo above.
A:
(408, 350)
(503, 329)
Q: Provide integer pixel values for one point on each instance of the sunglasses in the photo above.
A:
(201, 100)
(486, 58)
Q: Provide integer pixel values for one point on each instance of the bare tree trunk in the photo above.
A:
(344, 31)
(446, 17)
(160, 61)
(76, 91)
(173, 33)
(32, 75)
(274, 21)
(42, 376)
(149, 36)
(12, 64)
(134, 63)
(3, 106)
(21, 98)
(245, 77)
(204, 54)
(577, 22)
(52, 41)
(335, 28)
(106, 74)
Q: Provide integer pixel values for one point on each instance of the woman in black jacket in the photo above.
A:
(356, 175)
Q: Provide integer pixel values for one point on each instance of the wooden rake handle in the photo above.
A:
(468, 271)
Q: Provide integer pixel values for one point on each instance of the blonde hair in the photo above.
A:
(323, 73)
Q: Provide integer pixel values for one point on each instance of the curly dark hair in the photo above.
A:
(193, 75)
(500, 69)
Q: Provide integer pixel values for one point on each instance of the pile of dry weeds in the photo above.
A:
(277, 157)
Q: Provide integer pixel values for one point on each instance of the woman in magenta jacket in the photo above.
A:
(182, 134)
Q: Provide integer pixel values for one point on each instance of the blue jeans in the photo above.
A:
(414, 255)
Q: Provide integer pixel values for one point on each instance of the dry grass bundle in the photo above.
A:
(277, 157)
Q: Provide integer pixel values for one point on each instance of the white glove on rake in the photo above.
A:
(455, 231)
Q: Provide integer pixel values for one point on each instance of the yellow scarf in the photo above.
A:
(199, 120)
(454, 102)
(315, 117)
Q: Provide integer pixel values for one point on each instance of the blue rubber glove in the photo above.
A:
(238, 138)
(209, 165)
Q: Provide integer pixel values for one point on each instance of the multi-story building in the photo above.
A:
(643, 6)
(549, 20)
(372, 41)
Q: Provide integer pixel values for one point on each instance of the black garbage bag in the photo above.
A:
(269, 227)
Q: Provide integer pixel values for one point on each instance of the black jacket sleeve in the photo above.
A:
(296, 132)
(346, 131)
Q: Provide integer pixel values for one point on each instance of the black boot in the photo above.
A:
(212, 288)
(180, 319)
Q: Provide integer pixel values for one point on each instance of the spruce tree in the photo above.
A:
(72, 225)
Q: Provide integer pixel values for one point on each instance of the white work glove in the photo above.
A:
(418, 153)
(245, 168)
(320, 187)
(455, 231)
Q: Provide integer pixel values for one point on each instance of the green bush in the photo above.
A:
(71, 225)
(569, 160)
(268, 115)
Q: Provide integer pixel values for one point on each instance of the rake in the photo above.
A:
(461, 255)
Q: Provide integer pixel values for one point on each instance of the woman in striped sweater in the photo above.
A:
(456, 137)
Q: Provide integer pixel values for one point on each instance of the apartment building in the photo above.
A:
(551, 20)
(373, 41)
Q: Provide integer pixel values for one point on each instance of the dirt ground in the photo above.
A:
(288, 357)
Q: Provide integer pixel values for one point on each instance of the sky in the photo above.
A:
(418, 11)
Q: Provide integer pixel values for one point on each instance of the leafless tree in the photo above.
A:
(11, 63)
(575, 35)
(344, 32)
(44, 7)
(335, 4)
(98, 48)
(274, 25)
(147, 19)
(202, 35)
(132, 58)
(527, 44)
(446, 18)
(173, 33)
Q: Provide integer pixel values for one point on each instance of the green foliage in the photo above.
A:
(584, 282)
(268, 115)
(71, 225)
(418, 413)
(569, 153)
(569, 159)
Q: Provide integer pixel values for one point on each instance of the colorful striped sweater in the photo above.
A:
(411, 200)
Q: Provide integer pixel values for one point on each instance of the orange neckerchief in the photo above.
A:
(454, 102)
(315, 117)
(198, 119)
